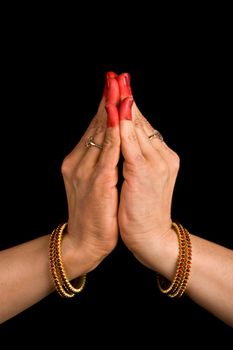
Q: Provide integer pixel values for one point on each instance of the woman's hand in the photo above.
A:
(150, 170)
(90, 177)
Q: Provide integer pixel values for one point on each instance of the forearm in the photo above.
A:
(25, 276)
(211, 278)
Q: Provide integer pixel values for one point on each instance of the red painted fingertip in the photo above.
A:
(125, 112)
(112, 95)
(113, 116)
(126, 79)
(108, 75)
(111, 75)
(124, 85)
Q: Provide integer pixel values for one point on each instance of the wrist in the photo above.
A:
(78, 259)
(168, 251)
(158, 252)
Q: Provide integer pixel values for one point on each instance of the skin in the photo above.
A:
(143, 213)
(92, 226)
(150, 171)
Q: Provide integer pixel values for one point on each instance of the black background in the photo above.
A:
(49, 100)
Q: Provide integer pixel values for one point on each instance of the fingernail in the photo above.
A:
(127, 79)
(112, 116)
(124, 85)
(125, 109)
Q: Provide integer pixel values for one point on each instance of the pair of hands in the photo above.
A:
(142, 211)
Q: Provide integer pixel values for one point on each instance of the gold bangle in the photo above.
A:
(61, 282)
(179, 284)
(187, 265)
(79, 283)
(53, 268)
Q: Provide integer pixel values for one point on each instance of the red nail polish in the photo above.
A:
(125, 111)
(113, 117)
(126, 79)
(124, 86)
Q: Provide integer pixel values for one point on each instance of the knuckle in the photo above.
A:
(97, 125)
(99, 129)
(110, 141)
(138, 122)
(175, 162)
(66, 167)
(130, 137)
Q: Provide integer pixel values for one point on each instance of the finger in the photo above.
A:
(111, 96)
(155, 138)
(110, 154)
(141, 123)
(111, 74)
(160, 156)
(153, 149)
(140, 120)
(124, 81)
(124, 86)
(78, 152)
(97, 126)
(113, 93)
(135, 142)
(129, 143)
(149, 152)
(135, 115)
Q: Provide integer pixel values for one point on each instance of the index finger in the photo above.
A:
(129, 141)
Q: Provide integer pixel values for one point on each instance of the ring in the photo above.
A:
(156, 134)
(90, 142)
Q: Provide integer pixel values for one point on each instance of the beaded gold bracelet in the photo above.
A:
(179, 284)
(64, 288)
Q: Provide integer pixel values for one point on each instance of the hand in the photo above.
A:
(150, 170)
(90, 177)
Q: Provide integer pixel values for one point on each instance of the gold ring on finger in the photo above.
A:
(90, 143)
(156, 134)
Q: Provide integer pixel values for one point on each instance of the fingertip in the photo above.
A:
(125, 110)
(111, 75)
(125, 78)
(108, 75)
(112, 94)
(124, 81)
